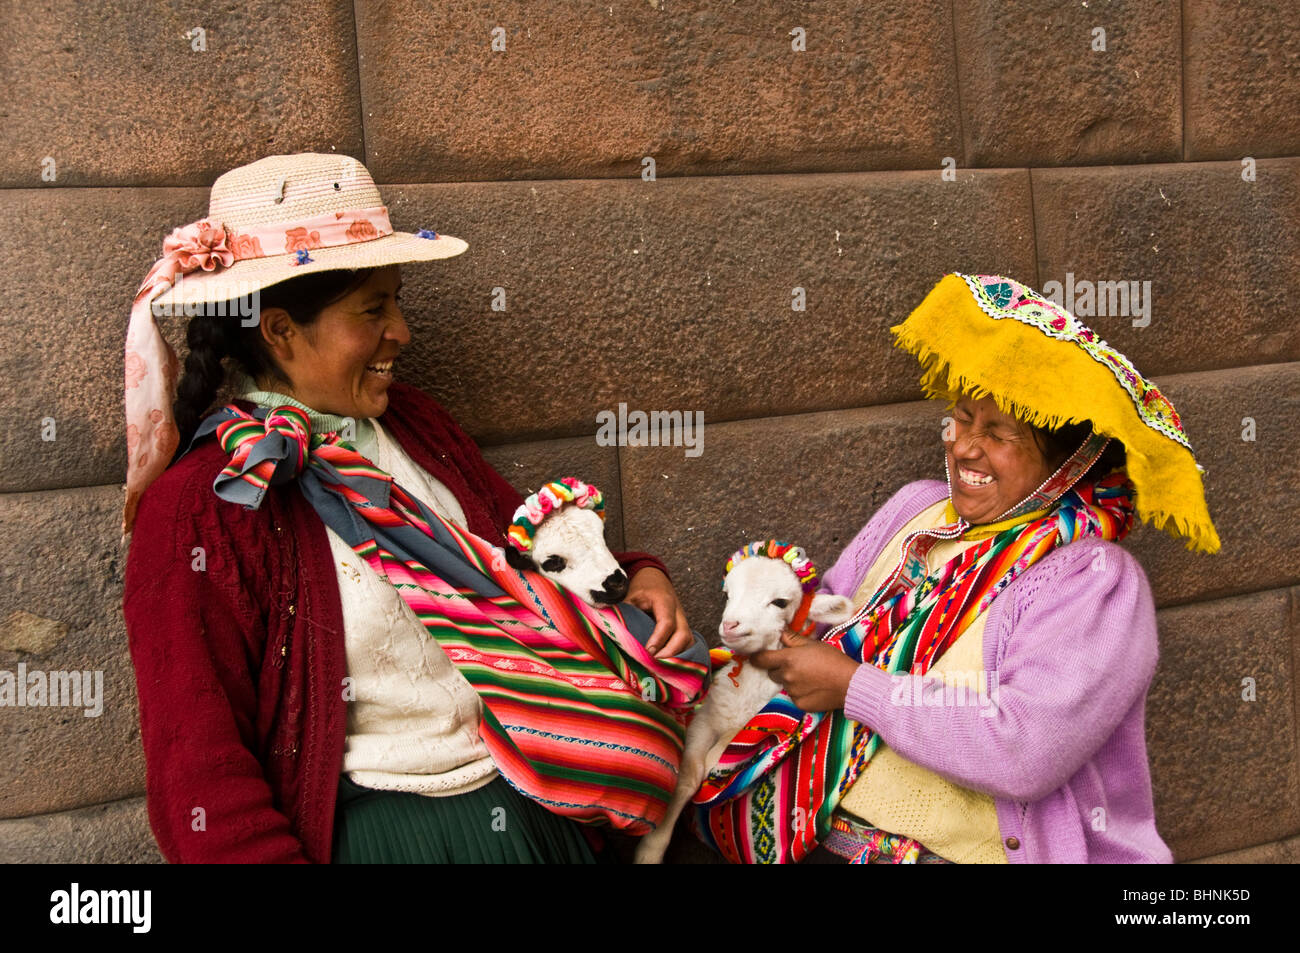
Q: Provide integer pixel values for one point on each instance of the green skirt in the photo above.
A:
(494, 824)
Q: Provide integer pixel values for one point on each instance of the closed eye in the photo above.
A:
(553, 563)
(379, 308)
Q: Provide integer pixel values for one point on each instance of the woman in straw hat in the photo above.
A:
(332, 661)
(986, 703)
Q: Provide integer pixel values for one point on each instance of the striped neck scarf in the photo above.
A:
(363, 428)
(577, 714)
(771, 797)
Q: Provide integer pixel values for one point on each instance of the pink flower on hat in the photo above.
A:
(246, 246)
(299, 239)
(200, 244)
(362, 230)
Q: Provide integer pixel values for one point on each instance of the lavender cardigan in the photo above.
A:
(1073, 645)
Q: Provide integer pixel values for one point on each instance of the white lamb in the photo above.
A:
(559, 531)
(764, 593)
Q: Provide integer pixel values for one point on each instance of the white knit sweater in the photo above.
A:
(413, 721)
(412, 717)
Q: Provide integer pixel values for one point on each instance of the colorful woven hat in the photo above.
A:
(985, 335)
(786, 552)
(550, 498)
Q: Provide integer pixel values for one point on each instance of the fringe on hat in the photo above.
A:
(1047, 382)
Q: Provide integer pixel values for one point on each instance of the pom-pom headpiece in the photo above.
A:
(547, 500)
(786, 552)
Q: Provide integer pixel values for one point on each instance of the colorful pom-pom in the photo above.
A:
(547, 500)
(792, 555)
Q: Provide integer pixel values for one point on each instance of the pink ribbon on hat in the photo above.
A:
(152, 367)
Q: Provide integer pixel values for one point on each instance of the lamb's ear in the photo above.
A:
(517, 560)
(830, 609)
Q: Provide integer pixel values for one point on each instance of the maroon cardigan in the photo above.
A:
(236, 632)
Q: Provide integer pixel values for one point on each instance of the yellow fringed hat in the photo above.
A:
(985, 335)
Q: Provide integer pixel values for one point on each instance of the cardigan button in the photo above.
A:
(1013, 843)
(292, 609)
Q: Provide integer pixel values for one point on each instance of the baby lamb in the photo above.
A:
(769, 587)
(559, 531)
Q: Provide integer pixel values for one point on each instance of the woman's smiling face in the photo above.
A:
(994, 461)
(342, 363)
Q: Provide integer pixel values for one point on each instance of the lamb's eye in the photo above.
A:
(554, 563)
(780, 603)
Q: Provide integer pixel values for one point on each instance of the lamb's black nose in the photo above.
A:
(615, 588)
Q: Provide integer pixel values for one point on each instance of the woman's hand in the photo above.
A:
(650, 591)
(815, 675)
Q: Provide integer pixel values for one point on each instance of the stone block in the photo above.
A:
(1035, 91)
(63, 581)
(113, 833)
(589, 91)
(63, 322)
(1224, 769)
(1278, 852)
(1218, 253)
(1241, 81)
(1247, 489)
(119, 94)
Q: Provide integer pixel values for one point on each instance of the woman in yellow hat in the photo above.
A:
(986, 703)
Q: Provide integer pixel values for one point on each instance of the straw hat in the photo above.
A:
(275, 219)
(279, 194)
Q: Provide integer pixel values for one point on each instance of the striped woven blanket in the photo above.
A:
(577, 714)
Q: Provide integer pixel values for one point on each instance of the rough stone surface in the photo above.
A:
(1034, 92)
(1279, 852)
(1242, 79)
(1245, 488)
(586, 91)
(60, 556)
(677, 294)
(1224, 770)
(1220, 254)
(30, 633)
(528, 465)
(63, 324)
(113, 833)
(116, 94)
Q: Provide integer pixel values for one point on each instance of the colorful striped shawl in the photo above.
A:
(771, 797)
(577, 714)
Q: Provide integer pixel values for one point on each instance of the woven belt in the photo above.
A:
(861, 843)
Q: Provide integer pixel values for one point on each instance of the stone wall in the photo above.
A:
(1171, 156)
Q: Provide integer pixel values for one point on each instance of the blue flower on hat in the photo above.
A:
(425, 233)
(301, 256)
